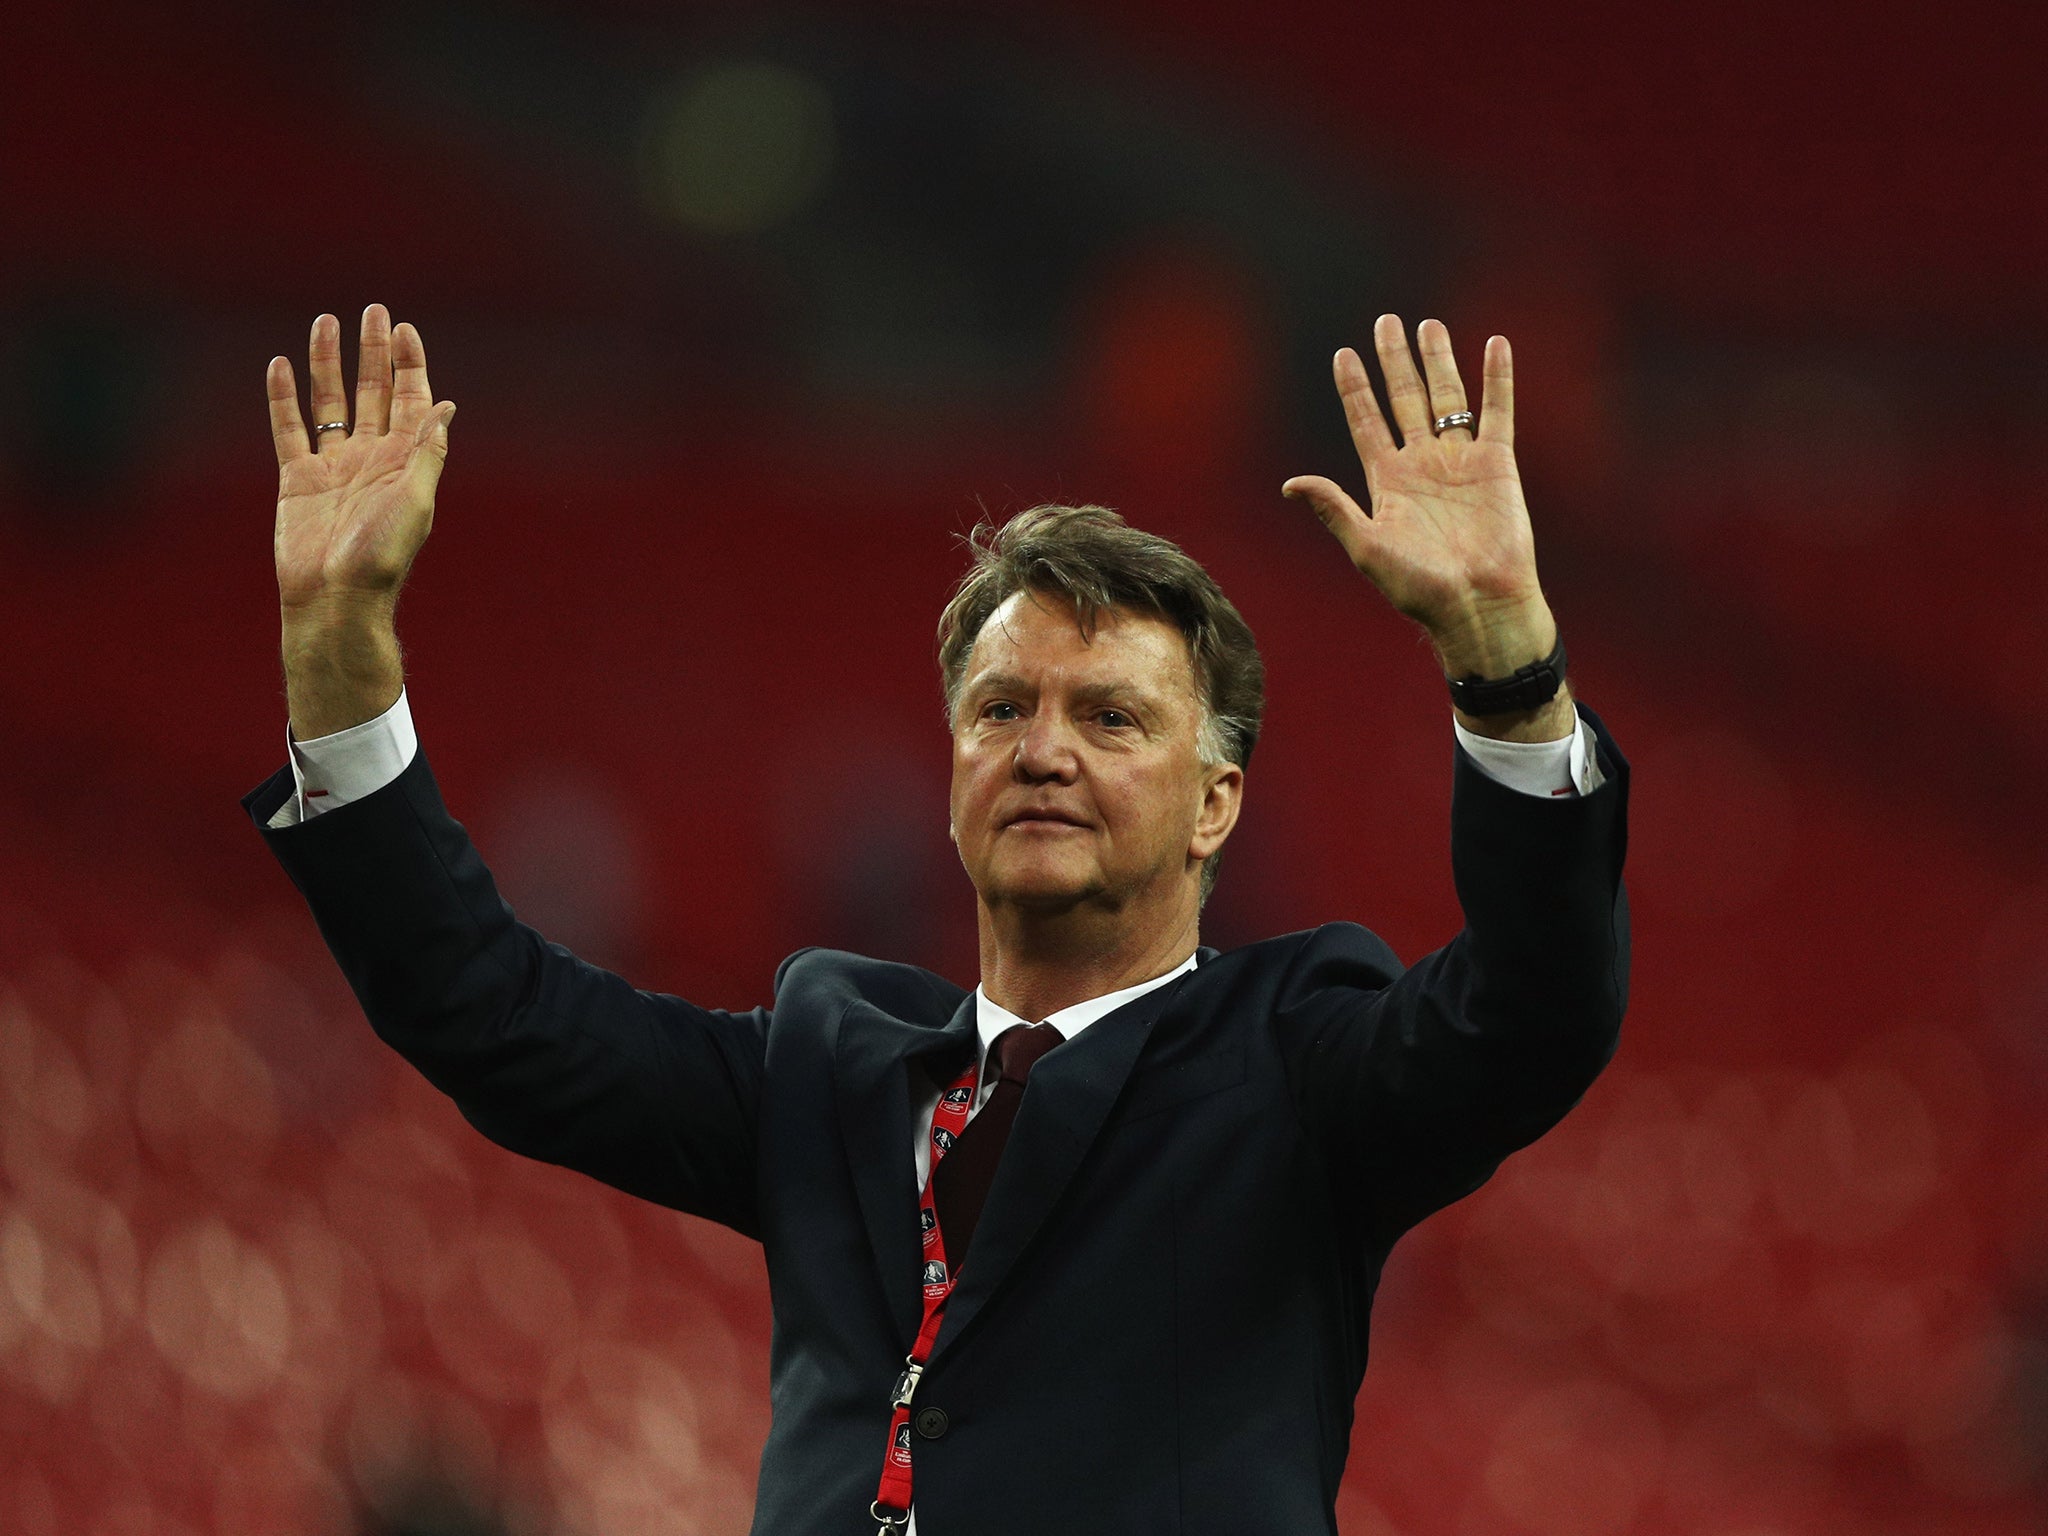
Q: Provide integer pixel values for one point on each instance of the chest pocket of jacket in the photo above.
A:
(1164, 1088)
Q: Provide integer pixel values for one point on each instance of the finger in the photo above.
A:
(1369, 434)
(330, 404)
(1497, 394)
(287, 426)
(411, 399)
(1336, 511)
(1440, 367)
(429, 451)
(1410, 401)
(373, 371)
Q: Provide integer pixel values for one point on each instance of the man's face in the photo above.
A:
(1075, 771)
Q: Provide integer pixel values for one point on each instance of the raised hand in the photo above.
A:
(354, 507)
(1448, 538)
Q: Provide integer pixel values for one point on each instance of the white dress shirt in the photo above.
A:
(990, 1020)
(333, 770)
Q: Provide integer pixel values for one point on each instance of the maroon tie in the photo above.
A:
(960, 1182)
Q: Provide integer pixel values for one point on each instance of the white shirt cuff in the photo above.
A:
(1546, 768)
(333, 770)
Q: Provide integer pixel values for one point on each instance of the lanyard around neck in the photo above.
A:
(949, 1119)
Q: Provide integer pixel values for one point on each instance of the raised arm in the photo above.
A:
(1418, 1087)
(546, 1054)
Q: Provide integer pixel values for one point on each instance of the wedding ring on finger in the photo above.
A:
(342, 426)
(1463, 419)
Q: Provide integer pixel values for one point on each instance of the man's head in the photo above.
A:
(1096, 674)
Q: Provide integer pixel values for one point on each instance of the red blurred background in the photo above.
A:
(750, 311)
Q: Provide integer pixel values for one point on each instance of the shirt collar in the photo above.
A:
(991, 1018)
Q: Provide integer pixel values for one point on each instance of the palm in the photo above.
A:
(353, 513)
(1447, 523)
(1449, 531)
(347, 521)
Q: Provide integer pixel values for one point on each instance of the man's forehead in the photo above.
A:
(1032, 625)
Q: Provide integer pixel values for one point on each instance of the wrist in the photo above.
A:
(342, 666)
(1492, 640)
(1553, 721)
(338, 610)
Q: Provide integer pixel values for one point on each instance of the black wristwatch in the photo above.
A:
(1530, 687)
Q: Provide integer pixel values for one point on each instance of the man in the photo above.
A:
(1134, 1297)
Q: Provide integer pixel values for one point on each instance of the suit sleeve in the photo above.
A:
(1415, 1084)
(545, 1054)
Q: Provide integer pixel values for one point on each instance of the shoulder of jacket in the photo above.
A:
(822, 977)
(1286, 948)
(1310, 954)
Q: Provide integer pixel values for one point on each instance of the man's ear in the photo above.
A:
(1222, 798)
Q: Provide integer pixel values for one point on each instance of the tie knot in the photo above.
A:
(1019, 1046)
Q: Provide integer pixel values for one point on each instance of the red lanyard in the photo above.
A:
(948, 1120)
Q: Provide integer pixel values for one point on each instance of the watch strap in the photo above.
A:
(1530, 687)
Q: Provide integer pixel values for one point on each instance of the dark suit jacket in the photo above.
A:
(1162, 1327)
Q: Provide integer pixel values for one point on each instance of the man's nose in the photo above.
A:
(1046, 750)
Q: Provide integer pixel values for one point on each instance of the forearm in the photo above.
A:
(546, 1054)
(1417, 1083)
(1506, 1027)
(342, 663)
(1540, 885)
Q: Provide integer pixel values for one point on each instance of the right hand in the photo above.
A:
(353, 510)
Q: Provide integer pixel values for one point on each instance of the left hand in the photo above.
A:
(1448, 538)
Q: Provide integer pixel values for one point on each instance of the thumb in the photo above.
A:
(432, 434)
(429, 451)
(1336, 511)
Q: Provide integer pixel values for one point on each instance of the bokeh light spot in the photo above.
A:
(737, 147)
(216, 1308)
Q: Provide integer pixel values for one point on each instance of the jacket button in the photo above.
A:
(930, 1422)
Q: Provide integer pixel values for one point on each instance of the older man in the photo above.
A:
(1134, 1297)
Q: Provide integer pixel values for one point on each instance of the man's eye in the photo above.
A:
(1113, 717)
(995, 710)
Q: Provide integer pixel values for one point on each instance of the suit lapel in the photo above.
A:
(1068, 1097)
(876, 1052)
